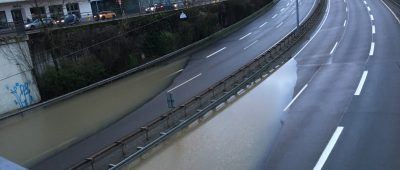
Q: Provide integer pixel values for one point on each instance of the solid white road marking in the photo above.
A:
(371, 51)
(222, 49)
(187, 81)
(328, 149)
(345, 22)
(275, 16)
(361, 84)
(280, 24)
(372, 17)
(395, 16)
(245, 48)
(245, 36)
(263, 24)
(298, 94)
(373, 29)
(333, 49)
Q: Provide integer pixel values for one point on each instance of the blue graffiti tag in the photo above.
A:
(22, 94)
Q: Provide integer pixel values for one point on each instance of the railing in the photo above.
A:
(138, 142)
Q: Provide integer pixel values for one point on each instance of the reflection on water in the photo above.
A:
(40, 133)
(239, 137)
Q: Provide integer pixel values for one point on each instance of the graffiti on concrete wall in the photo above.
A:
(22, 94)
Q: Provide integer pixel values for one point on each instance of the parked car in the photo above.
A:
(69, 19)
(159, 7)
(105, 15)
(154, 8)
(150, 9)
(37, 23)
(175, 6)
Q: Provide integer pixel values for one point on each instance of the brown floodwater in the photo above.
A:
(42, 131)
(237, 137)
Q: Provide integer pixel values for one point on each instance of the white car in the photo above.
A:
(37, 23)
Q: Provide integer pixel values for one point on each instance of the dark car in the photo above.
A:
(150, 9)
(69, 19)
(155, 8)
(159, 7)
(175, 6)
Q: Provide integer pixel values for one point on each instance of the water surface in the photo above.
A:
(42, 131)
(238, 137)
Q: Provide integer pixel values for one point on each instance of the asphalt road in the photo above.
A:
(345, 114)
(205, 67)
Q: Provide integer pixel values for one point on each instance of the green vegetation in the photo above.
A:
(69, 59)
(71, 77)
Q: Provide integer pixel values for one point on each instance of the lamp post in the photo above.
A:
(297, 13)
(120, 6)
(140, 6)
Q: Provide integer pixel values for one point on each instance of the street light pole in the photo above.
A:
(297, 11)
(140, 6)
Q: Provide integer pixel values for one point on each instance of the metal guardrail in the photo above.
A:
(138, 142)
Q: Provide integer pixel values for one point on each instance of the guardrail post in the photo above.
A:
(184, 110)
(287, 42)
(279, 47)
(91, 162)
(268, 56)
(284, 43)
(199, 100)
(258, 61)
(167, 119)
(147, 132)
(212, 91)
(224, 83)
(227, 81)
(293, 38)
(277, 50)
(273, 50)
(122, 147)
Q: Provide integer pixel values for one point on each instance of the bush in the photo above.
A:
(71, 77)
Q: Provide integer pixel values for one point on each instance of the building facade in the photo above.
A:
(14, 10)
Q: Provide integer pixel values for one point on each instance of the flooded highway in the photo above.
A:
(236, 137)
(42, 131)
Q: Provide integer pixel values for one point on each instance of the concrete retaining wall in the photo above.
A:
(18, 88)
